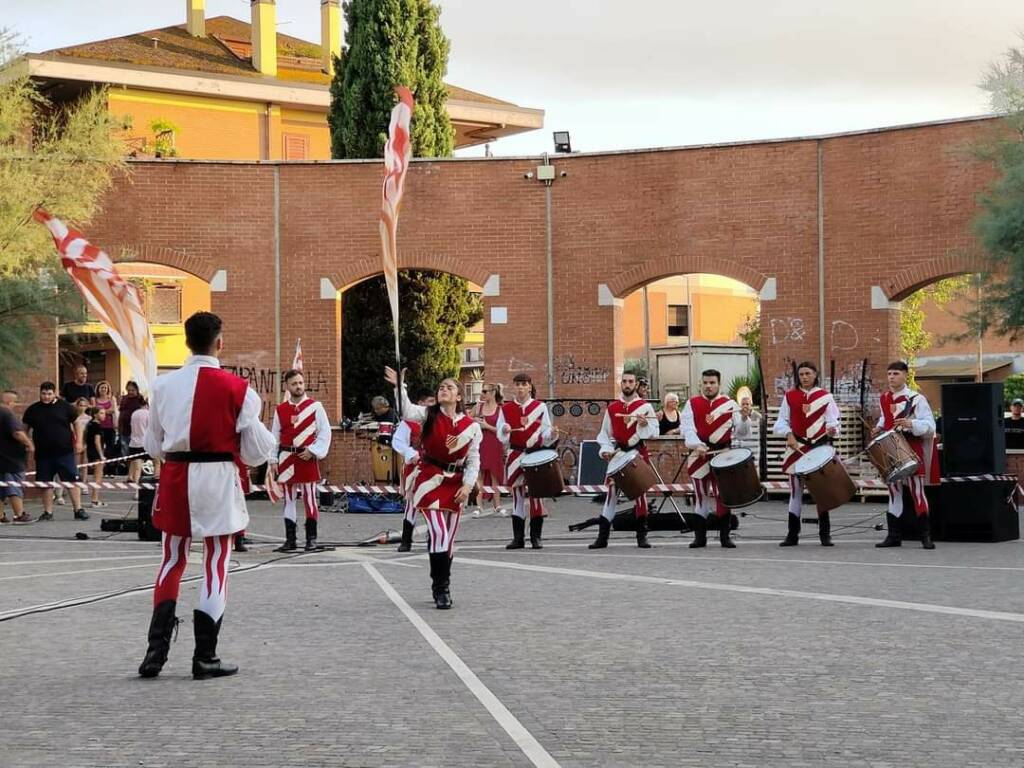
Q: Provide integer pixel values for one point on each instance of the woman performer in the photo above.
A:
(449, 463)
(492, 452)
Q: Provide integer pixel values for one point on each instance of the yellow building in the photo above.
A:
(226, 89)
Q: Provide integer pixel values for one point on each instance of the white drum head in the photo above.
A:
(731, 458)
(814, 459)
(537, 458)
(619, 461)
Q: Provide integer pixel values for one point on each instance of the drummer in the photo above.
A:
(627, 423)
(907, 411)
(709, 422)
(808, 418)
(524, 426)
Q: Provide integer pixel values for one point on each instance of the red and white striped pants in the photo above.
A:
(703, 488)
(916, 485)
(308, 493)
(608, 510)
(442, 525)
(212, 588)
(519, 500)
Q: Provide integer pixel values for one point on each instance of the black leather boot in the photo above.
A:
(161, 627)
(926, 531)
(240, 543)
(894, 538)
(700, 532)
(440, 569)
(407, 531)
(824, 528)
(289, 537)
(205, 663)
(725, 530)
(641, 533)
(602, 535)
(536, 527)
(310, 534)
(518, 533)
(793, 536)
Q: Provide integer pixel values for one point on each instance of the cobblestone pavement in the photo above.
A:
(757, 656)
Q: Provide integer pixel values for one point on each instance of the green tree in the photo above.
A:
(437, 310)
(391, 43)
(61, 156)
(913, 335)
(999, 224)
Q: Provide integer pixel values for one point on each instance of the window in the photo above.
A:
(296, 146)
(678, 320)
(472, 355)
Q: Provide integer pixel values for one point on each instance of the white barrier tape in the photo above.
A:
(103, 461)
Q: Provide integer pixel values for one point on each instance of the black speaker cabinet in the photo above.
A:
(146, 498)
(973, 441)
(972, 510)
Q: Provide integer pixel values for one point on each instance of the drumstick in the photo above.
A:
(636, 416)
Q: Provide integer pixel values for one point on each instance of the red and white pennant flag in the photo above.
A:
(297, 360)
(397, 152)
(115, 302)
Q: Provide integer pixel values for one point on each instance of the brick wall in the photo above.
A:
(897, 211)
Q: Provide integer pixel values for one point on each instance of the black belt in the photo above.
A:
(635, 447)
(533, 449)
(826, 440)
(290, 449)
(453, 468)
(198, 457)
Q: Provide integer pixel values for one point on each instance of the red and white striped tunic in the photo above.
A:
(300, 425)
(808, 414)
(913, 405)
(531, 427)
(450, 442)
(713, 425)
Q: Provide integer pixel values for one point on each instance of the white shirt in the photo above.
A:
(740, 426)
(547, 433)
(645, 428)
(922, 420)
(783, 427)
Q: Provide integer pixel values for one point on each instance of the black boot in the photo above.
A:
(641, 533)
(926, 531)
(204, 661)
(161, 626)
(240, 543)
(310, 534)
(700, 532)
(407, 530)
(536, 526)
(793, 536)
(518, 533)
(289, 537)
(825, 528)
(723, 532)
(440, 568)
(602, 535)
(894, 537)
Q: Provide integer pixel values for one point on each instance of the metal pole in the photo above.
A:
(821, 258)
(647, 338)
(981, 356)
(689, 339)
(277, 278)
(551, 289)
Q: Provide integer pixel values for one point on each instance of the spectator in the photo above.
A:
(126, 407)
(668, 416)
(51, 422)
(14, 449)
(382, 410)
(492, 452)
(642, 387)
(140, 422)
(81, 421)
(105, 400)
(1014, 425)
(80, 387)
(95, 451)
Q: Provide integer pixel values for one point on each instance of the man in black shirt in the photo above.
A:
(52, 422)
(1014, 425)
(80, 387)
(14, 448)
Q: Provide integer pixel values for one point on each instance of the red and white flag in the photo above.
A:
(115, 302)
(397, 152)
(297, 360)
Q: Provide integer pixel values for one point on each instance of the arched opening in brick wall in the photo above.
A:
(674, 327)
(169, 296)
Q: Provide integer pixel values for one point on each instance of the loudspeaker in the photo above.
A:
(591, 469)
(973, 441)
(973, 510)
(146, 498)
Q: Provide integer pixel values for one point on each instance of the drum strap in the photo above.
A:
(826, 440)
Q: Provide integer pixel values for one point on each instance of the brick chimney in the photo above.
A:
(195, 17)
(264, 37)
(330, 32)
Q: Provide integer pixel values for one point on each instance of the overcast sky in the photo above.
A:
(660, 72)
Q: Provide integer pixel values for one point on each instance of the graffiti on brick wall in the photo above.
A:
(843, 337)
(787, 329)
(265, 382)
(568, 371)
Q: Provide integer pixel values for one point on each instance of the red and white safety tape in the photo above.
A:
(104, 461)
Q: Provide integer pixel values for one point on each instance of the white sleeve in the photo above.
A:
(881, 421)
(923, 423)
(472, 468)
(322, 444)
(402, 442)
(258, 444)
(275, 427)
(547, 434)
(604, 437)
(153, 439)
(646, 428)
(500, 425)
(832, 416)
(689, 428)
(410, 410)
(781, 425)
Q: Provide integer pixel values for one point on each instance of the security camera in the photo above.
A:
(528, 175)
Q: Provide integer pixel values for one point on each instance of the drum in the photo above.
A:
(825, 477)
(383, 466)
(892, 456)
(736, 477)
(631, 474)
(543, 474)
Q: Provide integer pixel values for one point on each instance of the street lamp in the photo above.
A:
(562, 145)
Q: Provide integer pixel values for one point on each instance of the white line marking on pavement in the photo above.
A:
(72, 573)
(873, 602)
(83, 560)
(631, 544)
(522, 737)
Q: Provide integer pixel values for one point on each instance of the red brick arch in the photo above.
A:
(179, 258)
(912, 279)
(682, 264)
(363, 269)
